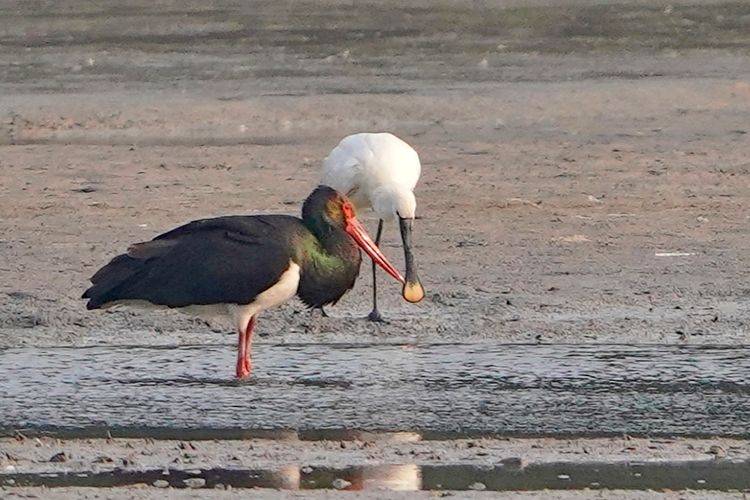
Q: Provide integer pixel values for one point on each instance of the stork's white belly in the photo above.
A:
(283, 290)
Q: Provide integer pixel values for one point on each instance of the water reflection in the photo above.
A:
(374, 477)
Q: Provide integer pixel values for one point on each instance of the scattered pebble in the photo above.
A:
(477, 486)
(195, 482)
(340, 484)
(59, 457)
(673, 254)
(470, 243)
(160, 483)
(717, 451)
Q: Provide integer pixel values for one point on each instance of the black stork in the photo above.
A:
(244, 265)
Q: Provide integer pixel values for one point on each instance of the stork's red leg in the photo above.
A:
(249, 344)
(241, 372)
(244, 366)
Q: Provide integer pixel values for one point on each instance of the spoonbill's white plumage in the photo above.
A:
(380, 171)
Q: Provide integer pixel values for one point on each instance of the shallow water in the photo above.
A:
(324, 390)
(507, 475)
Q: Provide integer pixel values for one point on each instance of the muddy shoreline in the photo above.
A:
(509, 464)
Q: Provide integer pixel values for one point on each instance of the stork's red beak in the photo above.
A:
(357, 231)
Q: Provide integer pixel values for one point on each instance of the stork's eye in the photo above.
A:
(348, 210)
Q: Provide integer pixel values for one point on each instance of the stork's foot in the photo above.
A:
(244, 368)
(375, 317)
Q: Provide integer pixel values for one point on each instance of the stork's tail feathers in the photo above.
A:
(115, 276)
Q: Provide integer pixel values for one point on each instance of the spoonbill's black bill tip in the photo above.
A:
(413, 292)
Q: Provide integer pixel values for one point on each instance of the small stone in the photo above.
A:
(59, 457)
(340, 484)
(103, 459)
(717, 451)
(306, 469)
(160, 483)
(477, 486)
(195, 482)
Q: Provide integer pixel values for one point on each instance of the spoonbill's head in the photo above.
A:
(393, 202)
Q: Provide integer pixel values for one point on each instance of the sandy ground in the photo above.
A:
(33, 454)
(585, 167)
(568, 153)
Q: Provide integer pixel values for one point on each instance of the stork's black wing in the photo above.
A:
(211, 261)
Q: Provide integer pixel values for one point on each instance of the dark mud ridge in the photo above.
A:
(319, 391)
(696, 475)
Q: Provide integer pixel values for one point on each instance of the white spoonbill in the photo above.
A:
(380, 171)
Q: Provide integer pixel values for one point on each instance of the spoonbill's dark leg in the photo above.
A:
(375, 314)
(244, 365)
